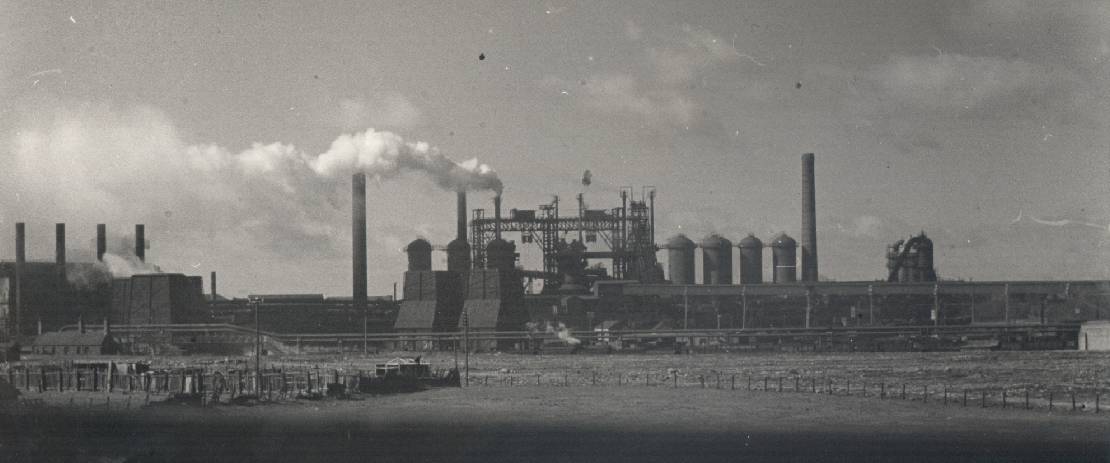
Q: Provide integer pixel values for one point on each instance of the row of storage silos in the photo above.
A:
(717, 259)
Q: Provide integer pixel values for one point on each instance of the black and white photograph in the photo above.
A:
(555, 231)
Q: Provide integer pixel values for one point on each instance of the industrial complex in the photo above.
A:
(600, 277)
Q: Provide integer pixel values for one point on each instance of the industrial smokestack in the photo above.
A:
(358, 237)
(20, 259)
(60, 249)
(140, 242)
(460, 226)
(809, 221)
(101, 241)
(458, 250)
(20, 242)
(497, 216)
(212, 282)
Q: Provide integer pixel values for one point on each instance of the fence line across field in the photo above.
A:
(1055, 397)
(286, 382)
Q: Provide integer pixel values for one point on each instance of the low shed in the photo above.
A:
(75, 343)
(1095, 335)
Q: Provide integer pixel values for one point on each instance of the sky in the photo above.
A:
(231, 128)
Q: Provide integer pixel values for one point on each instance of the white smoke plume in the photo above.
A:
(385, 154)
(88, 164)
(127, 265)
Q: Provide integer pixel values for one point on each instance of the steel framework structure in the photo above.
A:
(628, 232)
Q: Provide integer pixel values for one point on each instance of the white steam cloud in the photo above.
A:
(386, 154)
(89, 164)
(126, 266)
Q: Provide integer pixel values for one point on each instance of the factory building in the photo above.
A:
(639, 295)
(305, 313)
(51, 293)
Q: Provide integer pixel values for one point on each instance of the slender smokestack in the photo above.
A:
(460, 228)
(358, 237)
(20, 259)
(140, 241)
(20, 242)
(60, 249)
(809, 221)
(101, 241)
(497, 216)
(212, 282)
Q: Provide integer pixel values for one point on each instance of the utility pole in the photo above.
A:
(466, 340)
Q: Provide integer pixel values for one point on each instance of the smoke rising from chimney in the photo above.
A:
(385, 155)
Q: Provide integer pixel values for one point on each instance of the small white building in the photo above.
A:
(1095, 335)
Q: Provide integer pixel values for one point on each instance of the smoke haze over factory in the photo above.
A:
(233, 136)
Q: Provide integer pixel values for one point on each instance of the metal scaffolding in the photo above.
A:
(628, 233)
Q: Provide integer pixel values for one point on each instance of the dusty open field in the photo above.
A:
(571, 408)
(532, 423)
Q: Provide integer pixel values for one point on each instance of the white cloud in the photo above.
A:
(392, 111)
(665, 95)
(959, 82)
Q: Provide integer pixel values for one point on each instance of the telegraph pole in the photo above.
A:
(466, 340)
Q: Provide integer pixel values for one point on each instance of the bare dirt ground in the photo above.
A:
(566, 417)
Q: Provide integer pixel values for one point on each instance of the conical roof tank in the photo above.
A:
(680, 260)
(784, 258)
(751, 260)
(420, 255)
(500, 255)
(458, 256)
(716, 258)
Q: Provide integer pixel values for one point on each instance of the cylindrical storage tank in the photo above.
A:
(751, 260)
(680, 260)
(925, 259)
(716, 259)
(784, 258)
(420, 255)
(458, 256)
(908, 272)
(500, 255)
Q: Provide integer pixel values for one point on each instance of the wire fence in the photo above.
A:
(1026, 397)
(203, 385)
(207, 386)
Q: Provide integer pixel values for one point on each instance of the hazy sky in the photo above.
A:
(205, 120)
